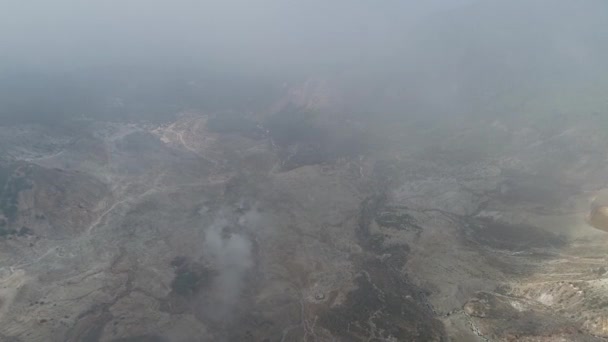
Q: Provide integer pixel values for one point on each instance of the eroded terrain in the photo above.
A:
(240, 228)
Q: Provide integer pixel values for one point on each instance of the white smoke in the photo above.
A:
(232, 258)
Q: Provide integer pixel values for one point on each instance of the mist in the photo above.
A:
(267, 34)
(440, 56)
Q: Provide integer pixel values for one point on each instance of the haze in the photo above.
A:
(291, 170)
(256, 34)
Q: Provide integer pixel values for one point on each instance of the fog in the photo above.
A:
(252, 34)
(435, 56)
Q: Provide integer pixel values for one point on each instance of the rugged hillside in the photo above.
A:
(225, 228)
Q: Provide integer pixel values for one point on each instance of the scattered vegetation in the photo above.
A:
(6, 232)
(380, 307)
(394, 218)
(294, 125)
(186, 283)
(506, 236)
(142, 338)
(11, 185)
(235, 123)
(303, 140)
(190, 278)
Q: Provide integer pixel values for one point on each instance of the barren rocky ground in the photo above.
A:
(226, 228)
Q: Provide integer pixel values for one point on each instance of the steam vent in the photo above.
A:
(598, 216)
